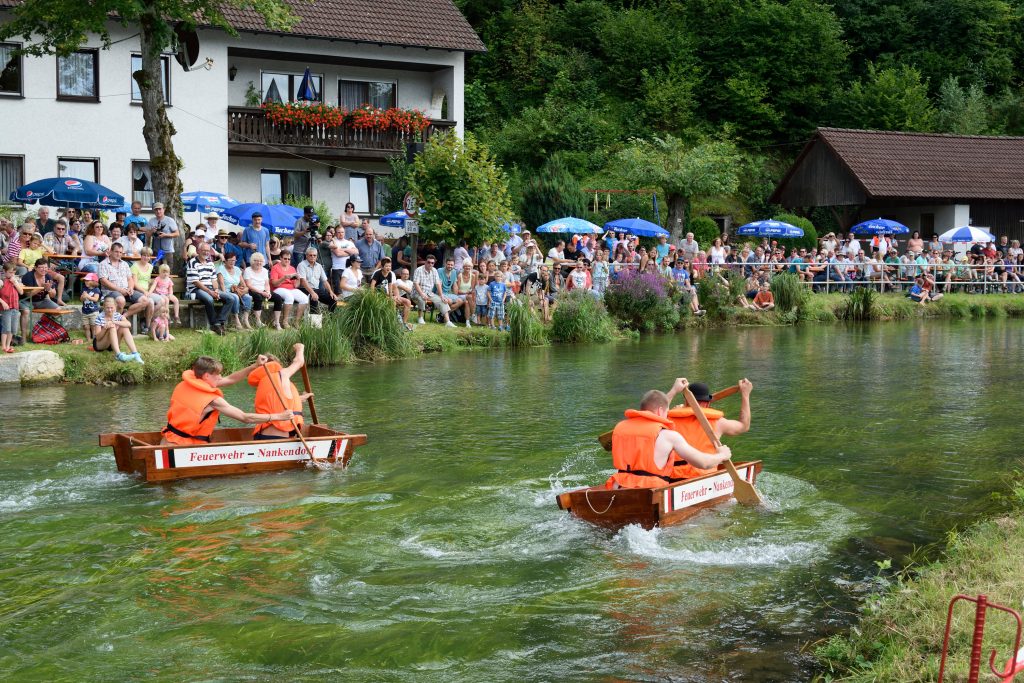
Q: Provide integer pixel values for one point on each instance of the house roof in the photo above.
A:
(925, 165)
(410, 23)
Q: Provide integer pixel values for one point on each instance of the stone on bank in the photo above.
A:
(31, 367)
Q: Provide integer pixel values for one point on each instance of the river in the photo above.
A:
(440, 554)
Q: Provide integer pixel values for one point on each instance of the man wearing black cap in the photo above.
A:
(305, 230)
(687, 424)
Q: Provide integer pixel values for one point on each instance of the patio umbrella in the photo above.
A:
(205, 202)
(513, 228)
(880, 226)
(770, 229)
(72, 193)
(396, 219)
(273, 94)
(968, 233)
(636, 226)
(280, 218)
(570, 225)
(307, 92)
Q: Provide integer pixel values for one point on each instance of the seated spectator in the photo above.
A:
(162, 287)
(111, 329)
(921, 291)
(764, 300)
(274, 247)
(10, 292)
(284, 280)
(257, 281)
(230, 281)
(542, 292)
(33, 252)
(160, 328)
(351, 278)
(386, 281)
(133, 246)
(43, 288)
(314, 281)
(116, 280)
(449, 277)
(427, 287)
(403, 289)
(200, 285)
(91, 296)
(579, 277)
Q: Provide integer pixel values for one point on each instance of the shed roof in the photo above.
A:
(895, 165)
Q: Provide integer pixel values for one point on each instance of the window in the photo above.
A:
(78, 76)
(282, 87)
(83, 169)
(276, 185)
(142, 183)
(10, 70)
(354, 94)
(366, 193)
(12, 175)
(165, 78)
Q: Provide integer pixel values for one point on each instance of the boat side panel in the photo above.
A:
(612, 509)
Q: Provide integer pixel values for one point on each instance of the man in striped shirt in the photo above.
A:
(200, 285)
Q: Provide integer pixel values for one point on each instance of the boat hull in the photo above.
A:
(230, 451)
(649, 508)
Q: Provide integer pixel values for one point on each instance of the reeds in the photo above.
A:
(524, 329)
(581, 318)
(370, 323)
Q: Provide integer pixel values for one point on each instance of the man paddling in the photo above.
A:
(274, 391)
(197, 403)
(686, 423)
(645, 445)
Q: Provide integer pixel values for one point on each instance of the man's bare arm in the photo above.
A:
(741, 426)
(234, 413)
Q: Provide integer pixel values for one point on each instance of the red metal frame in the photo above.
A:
(982, 605)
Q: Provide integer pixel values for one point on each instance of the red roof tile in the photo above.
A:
(413, 23)
(930, 165)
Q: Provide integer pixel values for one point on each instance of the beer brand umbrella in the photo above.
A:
(570, 225)
(770, 229)
(72, 193)
(636, 226)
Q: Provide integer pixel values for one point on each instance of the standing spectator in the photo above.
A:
(662, 249)
(689, 248)
(256, 238)
(305, 230)
(370, 252)
(600, 272)
(163, 230)
(285, 282)
(257, 280)
(162, 288)
(351, 278)
(313, 279)
(45, 224)
(136, 217)
(341, 249)
(90, 303)
(10, 291)
(350, 223)
(481, 298)
(427, 287)
(142, 271)
(117, 281)
(579, 277)
(200, 286)
(229, 280)
(111, 329)
(461, 255)
(498, 292)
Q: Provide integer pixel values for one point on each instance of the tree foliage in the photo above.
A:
(551, 193)
(461, 187)
(889, 99)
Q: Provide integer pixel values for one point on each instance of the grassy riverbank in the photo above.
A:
(899, 635)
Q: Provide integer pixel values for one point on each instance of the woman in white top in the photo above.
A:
(133, 246)
(257, 279)
(351, 277)
(96, 247)
(717, 253)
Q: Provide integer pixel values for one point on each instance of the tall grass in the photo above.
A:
(789, 292)
(225, 349)
(325, 345)
(524, 329)
(371, 325)
(859, 304)
(581, 318)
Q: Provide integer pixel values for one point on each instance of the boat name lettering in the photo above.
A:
(206, 457)
(281, 452)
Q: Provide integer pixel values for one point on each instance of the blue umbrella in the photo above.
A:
(571, 225)
(71, 193)
(513, 228)
(636, 226)
(280, 218)
(306, 90)
(968, 233)
(880, 226)
(396, 219)
(770, 229)
(205, 202)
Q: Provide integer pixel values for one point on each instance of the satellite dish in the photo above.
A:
(188, 46)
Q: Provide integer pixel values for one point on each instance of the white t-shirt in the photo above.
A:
(404, 286)
(350, 278)
(256, 279)
(340, 262)
(461, 254)
(554, 254)
(853, 248)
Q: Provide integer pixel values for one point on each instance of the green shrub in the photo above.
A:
(810, 238)
(225, 349)
(325, 345)
(579, 317)
(705, 230)
(524, 329)
(718, 298)
(789, 292)
(371, 325)
(642, 302)
(859, 304)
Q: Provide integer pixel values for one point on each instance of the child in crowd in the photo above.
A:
(34, 252)
(111, 329)
(516, 273)
(160, 329)
(90, 303)
(498, 291)
(481, 294)
(599, 271)
(10, 291)
(164, 286)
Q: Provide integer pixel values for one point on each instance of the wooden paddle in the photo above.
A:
(309, 390)
(742, 490)
(606, 439)
(298, 430)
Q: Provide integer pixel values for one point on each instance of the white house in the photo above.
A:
(80, 116)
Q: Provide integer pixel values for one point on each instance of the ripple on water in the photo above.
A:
(21, 496)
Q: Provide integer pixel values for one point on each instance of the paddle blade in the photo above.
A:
(743, 490)
(606, 441)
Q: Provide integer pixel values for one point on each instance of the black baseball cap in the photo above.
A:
(700, 391)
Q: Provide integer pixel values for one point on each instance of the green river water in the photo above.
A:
(440, 554)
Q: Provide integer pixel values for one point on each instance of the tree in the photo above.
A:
(889, 99)
(552, 193)
(462, 188)
(683, 173)
(963, 111)
(60, 27)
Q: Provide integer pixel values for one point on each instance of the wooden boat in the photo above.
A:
(649, 508)
(230, 451)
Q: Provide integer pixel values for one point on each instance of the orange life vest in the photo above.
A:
(687, 424)
(186, 424)
(633, 451)
(267, 401)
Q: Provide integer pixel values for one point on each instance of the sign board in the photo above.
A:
(704, 489)
(412, 226)
(410, 205)
(206, 455)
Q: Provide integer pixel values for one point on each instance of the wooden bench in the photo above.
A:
(52, 311)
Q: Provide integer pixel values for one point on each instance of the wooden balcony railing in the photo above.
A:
(250, 132)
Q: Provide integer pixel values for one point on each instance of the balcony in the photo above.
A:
(251, 134)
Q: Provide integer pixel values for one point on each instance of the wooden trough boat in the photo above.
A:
(230, 451)
(649, 508)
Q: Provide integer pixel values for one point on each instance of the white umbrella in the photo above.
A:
(968, 233)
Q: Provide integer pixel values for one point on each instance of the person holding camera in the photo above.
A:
(306, 229)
